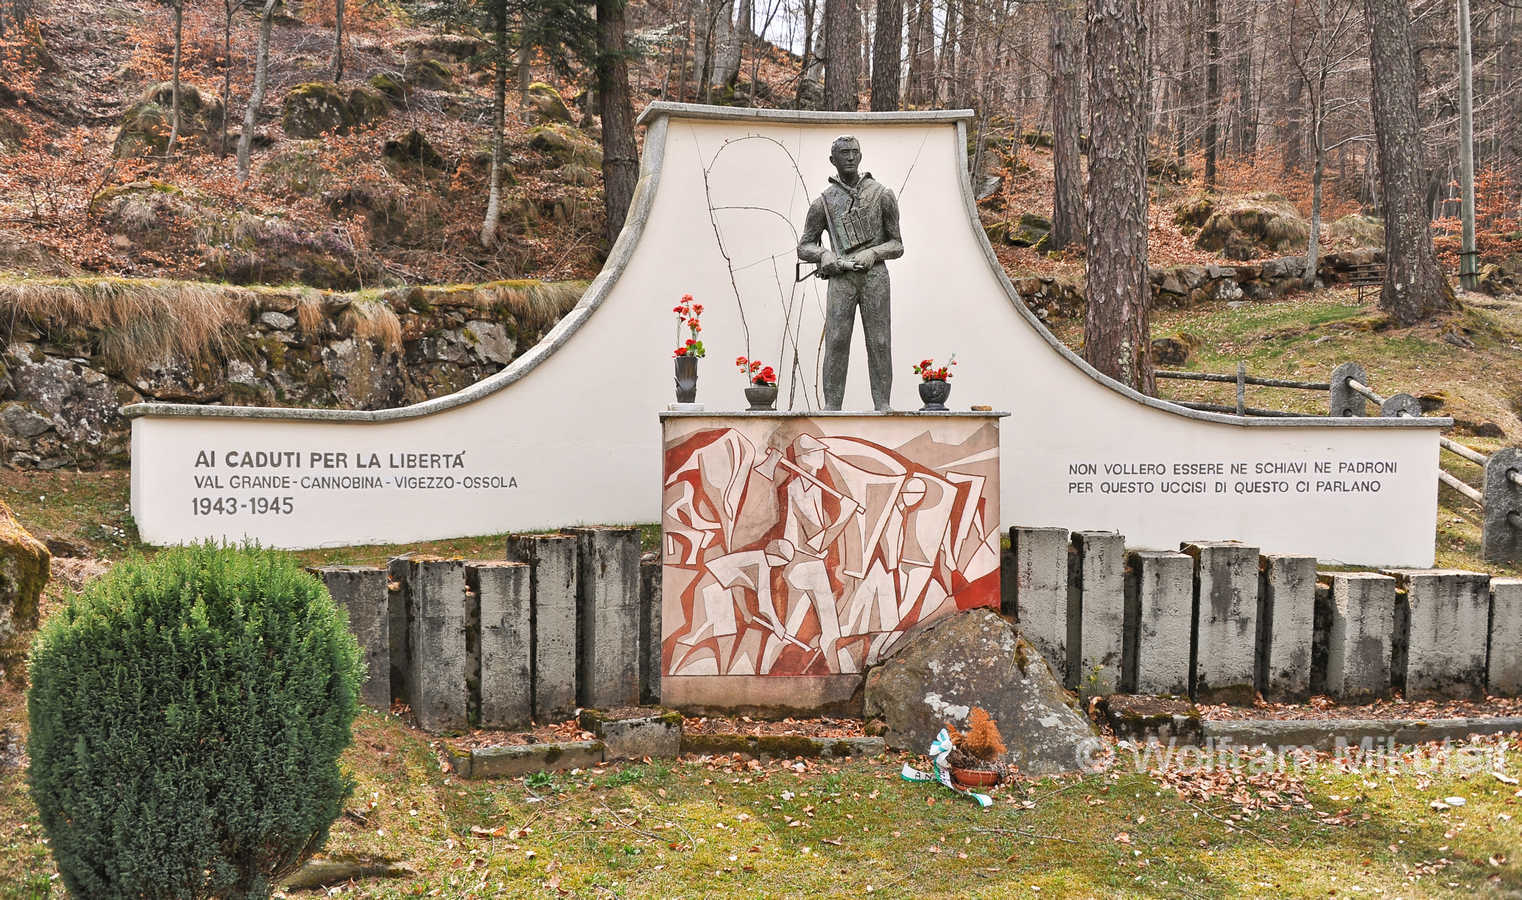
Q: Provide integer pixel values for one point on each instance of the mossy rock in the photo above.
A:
(12, 134)
(389, 85)
(547, 104)
(578, 175)
(146, 124)
(142, 211)
(565, 145)
(1193, 213)
(1358, 231)
(1030, 231)
(24, 568)
(144, 131)
(1253, 226)
(297, 171)
(314, 109)
(412, 149)
(428, 75)
(367, 105)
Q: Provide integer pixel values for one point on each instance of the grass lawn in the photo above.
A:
(735, 829)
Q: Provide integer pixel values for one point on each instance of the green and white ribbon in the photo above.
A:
(940, 748)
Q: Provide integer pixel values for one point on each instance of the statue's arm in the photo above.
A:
(811, 247)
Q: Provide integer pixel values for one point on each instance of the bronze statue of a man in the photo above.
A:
(861, 217)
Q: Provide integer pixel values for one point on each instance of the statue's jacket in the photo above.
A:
(857, 218)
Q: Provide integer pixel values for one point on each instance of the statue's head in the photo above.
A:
(845, 155)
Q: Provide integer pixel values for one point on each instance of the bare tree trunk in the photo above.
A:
(620, 158)
(1116, 338)
(1467, 259)
(887, 40)
(1212, 86)
(498, 121)
(842, 41)
(1294, 126)
(174, 93)
(256, 96)
(726, 46)
(922, 55)
(946, 64)
(1318, 171)
(525, 66)
(338, 41)
(228, 6)
(1067, 164)
(1414, 287)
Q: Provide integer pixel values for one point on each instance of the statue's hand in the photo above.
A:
(830, 265)
(864, 260)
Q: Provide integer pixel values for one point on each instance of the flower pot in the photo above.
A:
(974, 778)
(934, 393)
(686, 379)
(761, 396)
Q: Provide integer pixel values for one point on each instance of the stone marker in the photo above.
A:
(1506, 637)
(1159, 611)
(607, 616)
(1360, 640)
(552, 559)
(635, 732)
(504, 591)
(975, 658)
(1040, 587)
(437, 642)
(1226, 620)
(650, 629)
(1447, 617)
(361, 591)
(1096, 611)
(1286, 624)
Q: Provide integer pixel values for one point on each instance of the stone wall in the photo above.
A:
(75, 351)
(1181, 287)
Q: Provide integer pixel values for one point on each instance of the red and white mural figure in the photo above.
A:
(789, 551)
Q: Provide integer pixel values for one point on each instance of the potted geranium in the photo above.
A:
(935, 384)
(760, 382)
(976, 760)
(688, 315)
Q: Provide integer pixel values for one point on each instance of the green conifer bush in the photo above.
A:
(187, 715)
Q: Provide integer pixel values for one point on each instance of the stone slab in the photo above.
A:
(635, 732)
(1160, 609)
(1226, 621)
(1446, 613)
(437, 644)
(504, 591)
(361, 591)
(1501, 541)
(1142, 718)
(1360, 641)
(607, 615)
(1096, 611)
(1286, 624)
(552, 559)
(525, 759)
(1505, 675)
(1331, 734)
(650, 629)
(1040, 591)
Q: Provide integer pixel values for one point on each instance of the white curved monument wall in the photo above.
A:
(569, 433)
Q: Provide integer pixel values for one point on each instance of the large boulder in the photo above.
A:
(146, 124)
(547, 104)
(24, 566)
(320, 107)
(1357, 231)
(1252, 226)
(565, 145)
(976, 658)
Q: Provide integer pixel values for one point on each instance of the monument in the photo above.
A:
(861, 217)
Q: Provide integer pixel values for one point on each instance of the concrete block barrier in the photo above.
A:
(504, 593)
(552, 561)
(608, 616)
(1443, 622)
(1159, 610)
(1226, 621)
(1039, 591)
(1096, 611)
(1361, 637)
(650, 658)
(1286, 624)
(436, 638)
(361, 591)
(1505, 667)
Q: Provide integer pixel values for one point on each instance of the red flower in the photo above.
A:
(680, 351)
(697, 308)
(690, 342)
(686, 298)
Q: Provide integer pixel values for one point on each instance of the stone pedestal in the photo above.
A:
(799, 548)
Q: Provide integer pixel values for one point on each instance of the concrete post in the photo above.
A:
(1226, 621)
(361, 591)
(1447, 616)
(1096, 611)
(1360, 640)
(1506, 637)
(399, 599)
(437, 642)
(650, 637)
(1286, 624)
(1159, 609)
(607, 616)
(1344, 401)
(1501, 534)
(1040, 591)
(552, 558)
(504, 591)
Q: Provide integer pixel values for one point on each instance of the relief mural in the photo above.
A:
(790, 551)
